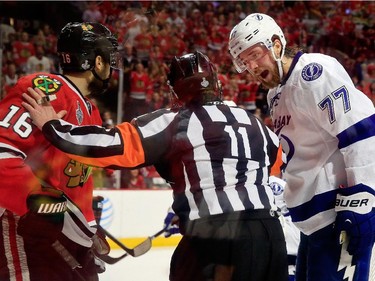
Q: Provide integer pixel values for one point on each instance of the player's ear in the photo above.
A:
(99, 62)
(277, 47)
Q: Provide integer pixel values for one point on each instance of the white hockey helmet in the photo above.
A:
(255, 28)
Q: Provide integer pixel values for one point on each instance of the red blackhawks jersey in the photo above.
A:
(22, 142)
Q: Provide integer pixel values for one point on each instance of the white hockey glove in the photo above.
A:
(278, 186)
(171, 223)
(356, 217)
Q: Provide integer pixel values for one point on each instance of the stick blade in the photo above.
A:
(142, 248)
(112, 260)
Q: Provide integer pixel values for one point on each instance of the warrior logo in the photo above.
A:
(52, 208)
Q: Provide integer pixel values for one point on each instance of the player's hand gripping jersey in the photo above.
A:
(204, 180)
(335, 136)
(21, 142)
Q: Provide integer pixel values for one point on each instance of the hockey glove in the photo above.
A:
(100, 244)
(97, 206)
(100, 248)
(356, 217)
(45, 219)
(100, 264)
(278, 186)
(51, 214)
(171, 223)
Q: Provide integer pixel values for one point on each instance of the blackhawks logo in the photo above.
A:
(46, 84)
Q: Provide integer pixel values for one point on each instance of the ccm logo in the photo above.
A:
(351, 203)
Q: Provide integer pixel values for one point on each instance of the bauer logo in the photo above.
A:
(312, 71)
(358, 203)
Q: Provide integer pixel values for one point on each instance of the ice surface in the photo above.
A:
(152, 266)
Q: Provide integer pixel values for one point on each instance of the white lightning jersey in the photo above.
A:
(326, 127)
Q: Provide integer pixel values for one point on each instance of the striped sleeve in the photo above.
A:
(97, 146)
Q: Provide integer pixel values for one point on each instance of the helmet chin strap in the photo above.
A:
(278, 62)
(176, 103)
(104, 81)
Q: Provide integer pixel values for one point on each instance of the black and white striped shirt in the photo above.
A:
(217, 158)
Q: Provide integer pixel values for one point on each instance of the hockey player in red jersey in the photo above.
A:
(45, 197)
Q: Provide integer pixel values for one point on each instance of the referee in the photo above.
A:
(217, 159)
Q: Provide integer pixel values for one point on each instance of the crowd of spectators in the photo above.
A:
(151, 33)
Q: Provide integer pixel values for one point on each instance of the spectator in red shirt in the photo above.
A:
(132, 179)
(164, 39)
(140, 91)
(175, 19)
(247, 93)
(143, 43)
(22, 50)
(177, 47)
(10, 78)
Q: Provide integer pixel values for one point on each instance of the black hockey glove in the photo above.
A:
(51, 214)
(45, 219)
(97, 206)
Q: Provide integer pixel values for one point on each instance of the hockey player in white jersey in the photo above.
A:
(327, 130)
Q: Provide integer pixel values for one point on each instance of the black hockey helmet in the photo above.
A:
(80, 43)
(193, 79)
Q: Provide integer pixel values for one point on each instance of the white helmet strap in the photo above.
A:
(278, 61)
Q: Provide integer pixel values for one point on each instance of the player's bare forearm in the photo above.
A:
(39, 107)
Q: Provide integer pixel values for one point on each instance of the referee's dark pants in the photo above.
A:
(239, 246)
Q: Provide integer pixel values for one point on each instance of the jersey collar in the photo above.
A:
(294, 62)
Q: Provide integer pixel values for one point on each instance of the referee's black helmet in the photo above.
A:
(193, 79)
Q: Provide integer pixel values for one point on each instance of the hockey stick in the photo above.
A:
(137, 251)
(67, 257)
(112, 260)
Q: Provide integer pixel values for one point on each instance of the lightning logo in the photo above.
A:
(346, 259)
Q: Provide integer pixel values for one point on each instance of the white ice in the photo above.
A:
(152, 266)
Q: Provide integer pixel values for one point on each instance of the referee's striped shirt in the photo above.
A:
(216, 158)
